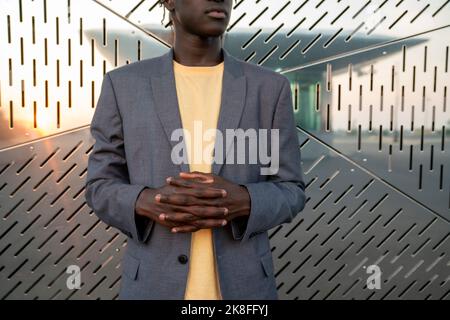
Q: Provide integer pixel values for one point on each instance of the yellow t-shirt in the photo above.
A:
(199, 91)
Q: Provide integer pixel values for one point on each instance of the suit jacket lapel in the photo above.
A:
(165, 99)
(234, 89)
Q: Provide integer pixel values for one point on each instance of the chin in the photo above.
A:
(213, 32)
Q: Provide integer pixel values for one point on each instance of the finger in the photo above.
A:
(187, 200)
(209, 223)
(171, 224)
(209, 212)
(178, 217)
(205, 178)
(188, 183)
(197, 190)
(197, 210)
(179, 182)
(185, 228)
(187, 196)
(175, 199)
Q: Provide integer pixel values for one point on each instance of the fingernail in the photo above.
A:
(162, 216)
(158, 197)
(174, 230)
(224, 222)
(224, 193)
(169, 179)
(225, 211)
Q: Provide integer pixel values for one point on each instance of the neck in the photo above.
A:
(192, 50)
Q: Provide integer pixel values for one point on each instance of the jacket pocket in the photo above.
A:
(267, 263)
(130, 266)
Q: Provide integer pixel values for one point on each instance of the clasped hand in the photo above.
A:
(193, 201)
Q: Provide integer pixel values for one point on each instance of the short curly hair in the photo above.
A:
(161, 3)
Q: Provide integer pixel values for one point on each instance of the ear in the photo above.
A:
(168, 4)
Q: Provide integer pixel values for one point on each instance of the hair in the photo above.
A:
(161, 4)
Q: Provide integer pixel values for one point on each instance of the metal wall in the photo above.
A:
(370, 90)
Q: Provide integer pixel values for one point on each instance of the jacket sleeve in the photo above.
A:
(281, 197)
(108, 189)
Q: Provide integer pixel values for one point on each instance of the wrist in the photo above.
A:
(147, 194)
(245, 206)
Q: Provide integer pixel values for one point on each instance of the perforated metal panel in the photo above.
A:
(53, 58)
(47, 226)
(370, 90)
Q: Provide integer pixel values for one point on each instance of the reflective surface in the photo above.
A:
(386, 109)
(370, 93)
(53, 60)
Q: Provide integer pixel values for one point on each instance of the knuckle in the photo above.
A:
(189, 218)
(200, 211)
(185, 183)
(202, 203)
(182, 200)
(215, 202)
(210, 211)
(217, 211)
(166, 198)
(201, 223)
(198, 193)
(196, 223)
(178, 182)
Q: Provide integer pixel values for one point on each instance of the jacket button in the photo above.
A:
(182, 258)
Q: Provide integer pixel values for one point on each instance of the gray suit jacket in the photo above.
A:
(135, 115)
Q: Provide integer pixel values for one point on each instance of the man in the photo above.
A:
(196, 229)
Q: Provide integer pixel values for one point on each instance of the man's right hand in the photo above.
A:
(148, 205)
